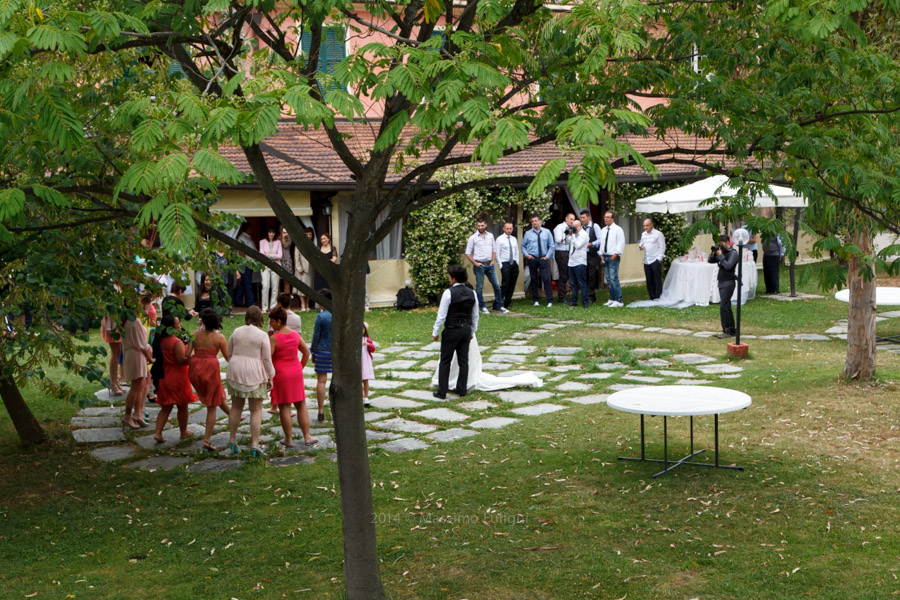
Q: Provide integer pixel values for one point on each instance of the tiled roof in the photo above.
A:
(304, 158)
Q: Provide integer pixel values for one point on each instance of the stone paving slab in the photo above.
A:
(551, 326)
(405, 425)
(654, 362)
(522, 335)
(397, 364)
(513, 342)
(693, 359)
(559, 377)
(381, 435)
(111, 453)
(518, 397)
(565, 368)
(507, 358)
(494, 366)
(431, 346)
(430, 365)
(428, 395)
(419, 354)
(104, 396)
(404, 445)
(219, 440)
(675, 331)
(159, 463)
(477, 405)
(537, 409)
(493, 423)
(610, 366)
(601, 325)
(394, 349)
(730, 376)
(705, 334)
(571, 322)
(98, 435)
(289, 461)
(451, 435)
(891, 314)
(326, 442)
(441, 414)
(562, 359)
(651, 329)
(385, 384)
(667, 373)
(95, 422)
(623, 386)
(100, 411)
(718, 369)
(215, 465)
(515, 350)
(417, 375)
(649, 351)
(628, 326)
(595, 376)
(776, 336)
(567, 350)
(573, 386)
(390, 403)
(171, 435)
(811, 337)
(837, 329)
(692, 381)
(641, 378)
(593, 399)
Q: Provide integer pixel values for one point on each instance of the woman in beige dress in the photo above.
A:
(136, 355)
(303, 271)
(249, 377)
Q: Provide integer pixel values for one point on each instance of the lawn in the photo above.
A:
(539, 509)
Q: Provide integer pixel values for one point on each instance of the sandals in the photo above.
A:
(159, 440)
(256, 452)
(321, 417)
(312, 443)
(131, 424)
(209, 447)
(286, 445)
(234, 448)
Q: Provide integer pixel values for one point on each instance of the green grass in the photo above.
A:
(540, 509)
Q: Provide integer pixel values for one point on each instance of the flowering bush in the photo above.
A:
(436, 235)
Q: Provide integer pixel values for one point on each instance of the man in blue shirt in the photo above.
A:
(537, 247)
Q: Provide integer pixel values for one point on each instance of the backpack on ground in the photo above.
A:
(406, 299)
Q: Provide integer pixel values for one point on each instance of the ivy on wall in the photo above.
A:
(436, 235)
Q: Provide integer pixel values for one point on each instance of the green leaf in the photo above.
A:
(191, 107)
(54, 197)
(57, 72)
(259, 123)
(172, 169)
(345, 104)
(58, 119)
(233, 83)
(8, 8)
(219, 124)
(47, 37)
(12, 203)
(433, 10)
(147, 135)
(392, 132)
(215, 167)
(7, 43)
(177, 229)
(152, 210)
(140, 178)
(105, 24)
(546, 176)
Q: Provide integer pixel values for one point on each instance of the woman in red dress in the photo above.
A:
(174, 387)
(287, 387)
(204, 372)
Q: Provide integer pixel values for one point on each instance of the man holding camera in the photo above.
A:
(561, 255)
(578, 240)
(727, 259)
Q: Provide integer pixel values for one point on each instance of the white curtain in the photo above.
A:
(387, 249)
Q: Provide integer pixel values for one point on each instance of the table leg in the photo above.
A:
(642, 437)
(666, 441)
(692, 435)
(717, 439)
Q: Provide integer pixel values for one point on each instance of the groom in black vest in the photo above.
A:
(458, 313)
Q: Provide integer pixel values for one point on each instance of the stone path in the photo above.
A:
(405, 416)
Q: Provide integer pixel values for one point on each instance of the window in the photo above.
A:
(331, 52)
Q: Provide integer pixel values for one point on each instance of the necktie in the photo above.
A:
(540, 248)
(606, 242)
(511, 255)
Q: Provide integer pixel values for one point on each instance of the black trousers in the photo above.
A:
(593, 275)
(726, 291)
(562, 265)
(771, 266)
(540, 275)
(509, 271)
(653, 275)
(454, 341)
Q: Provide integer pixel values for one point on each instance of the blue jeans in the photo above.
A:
(611, 273)
(491, 273)
(578, 281)
(245, 288)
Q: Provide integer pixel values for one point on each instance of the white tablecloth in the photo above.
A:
(690, 283)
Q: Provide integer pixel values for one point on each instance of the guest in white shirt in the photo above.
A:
(653, 243)
(578, 246)
(508, 257)
(612, 245)
(593, 255)
(561, 255)
(481, 251)
(271, 247)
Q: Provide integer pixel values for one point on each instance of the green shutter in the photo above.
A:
(331, 52)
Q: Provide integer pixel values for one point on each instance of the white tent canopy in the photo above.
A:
(690, 197)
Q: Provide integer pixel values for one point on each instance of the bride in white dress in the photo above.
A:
(485, 382)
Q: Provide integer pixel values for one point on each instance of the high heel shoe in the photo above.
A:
(233, 448)
(256, 452)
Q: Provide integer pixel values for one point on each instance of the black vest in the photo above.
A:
(592, 235)
(459, 314)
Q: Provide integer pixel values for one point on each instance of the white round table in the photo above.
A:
(884, 296)
(679, 401)
(691, 282)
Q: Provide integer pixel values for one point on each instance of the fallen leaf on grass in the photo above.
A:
(543, 548)
(31, 595)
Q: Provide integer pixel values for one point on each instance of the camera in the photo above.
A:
(570, 231)
(717, 247)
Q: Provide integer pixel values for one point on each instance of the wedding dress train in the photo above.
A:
(485, 382)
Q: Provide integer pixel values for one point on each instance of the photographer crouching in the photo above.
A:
(727, 259)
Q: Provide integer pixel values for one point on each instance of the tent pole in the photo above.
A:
(794, 257)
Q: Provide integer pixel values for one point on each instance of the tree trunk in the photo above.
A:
(860, 362)
(362, 573)
(29, 430)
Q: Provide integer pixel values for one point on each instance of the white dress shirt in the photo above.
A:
(612, 240)
(654, 244)
(559, 237)
(444, 308)
(507, 249)
(481, 247)
(597, 229)
(578, 243)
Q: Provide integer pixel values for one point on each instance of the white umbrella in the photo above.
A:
(690, 197)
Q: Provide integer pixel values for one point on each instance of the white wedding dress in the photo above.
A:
(485, 382)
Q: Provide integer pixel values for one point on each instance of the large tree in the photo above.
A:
(98, 123)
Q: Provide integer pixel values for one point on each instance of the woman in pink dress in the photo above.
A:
(204, 372)
(287, 388)
(174, 388)
(250, 373)
(135, 357)
(368, 367)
